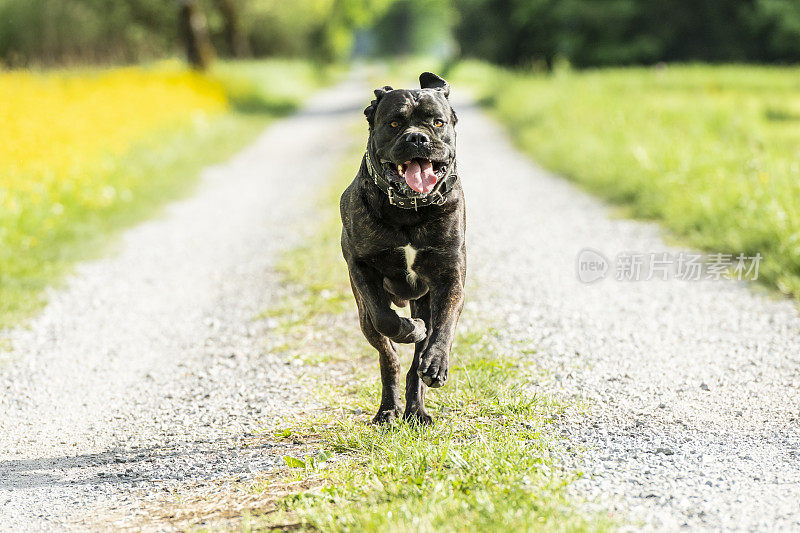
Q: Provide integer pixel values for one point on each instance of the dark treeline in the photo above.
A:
(509, 32)
(55, 32)
(623, 32)
(63, 31)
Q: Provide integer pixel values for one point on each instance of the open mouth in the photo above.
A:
(420, 175)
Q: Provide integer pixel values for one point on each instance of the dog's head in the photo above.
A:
(412, 134)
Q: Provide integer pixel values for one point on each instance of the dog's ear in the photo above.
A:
(429, 80)
(369, 112)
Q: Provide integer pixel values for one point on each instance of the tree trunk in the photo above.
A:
(234, 36)
(194, 31)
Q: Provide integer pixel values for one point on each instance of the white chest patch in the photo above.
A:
(411, 254)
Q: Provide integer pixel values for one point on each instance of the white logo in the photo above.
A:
(591, 265)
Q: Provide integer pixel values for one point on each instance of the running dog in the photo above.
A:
(403, 225)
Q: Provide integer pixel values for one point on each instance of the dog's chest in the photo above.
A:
(410, 255)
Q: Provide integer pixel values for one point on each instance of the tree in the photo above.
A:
(620, 32)
(509, 32)
(235, 39)
(194, 30)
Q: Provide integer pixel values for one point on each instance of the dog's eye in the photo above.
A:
(394, 123)
(438, 123)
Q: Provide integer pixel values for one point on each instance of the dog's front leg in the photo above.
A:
(447, 300)
(390, 408)
(369, 284)
(374, 310)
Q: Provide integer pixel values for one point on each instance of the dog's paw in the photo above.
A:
(413, 330)
(417, 416)
(433, 369)
(385, 417)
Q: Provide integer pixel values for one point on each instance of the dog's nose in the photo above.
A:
(417, 138)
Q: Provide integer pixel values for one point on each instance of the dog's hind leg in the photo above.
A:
(390, 408)
(415, 388)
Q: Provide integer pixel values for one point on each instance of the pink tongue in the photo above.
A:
(421, 179)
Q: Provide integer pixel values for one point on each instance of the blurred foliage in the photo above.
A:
(275, 87)
(317, 28)
(710, 151)
(61, 31)
(75, 163)
(614, 32)
(508, 32)
(778, 22)
(414, 27)
(46, 32)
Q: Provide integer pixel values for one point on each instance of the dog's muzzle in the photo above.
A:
(434, 196)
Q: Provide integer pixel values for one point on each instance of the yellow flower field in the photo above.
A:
(59, 132)
(86, 151)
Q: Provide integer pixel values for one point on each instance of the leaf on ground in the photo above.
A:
(294, 462)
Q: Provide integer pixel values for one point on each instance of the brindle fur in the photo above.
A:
(374, 233)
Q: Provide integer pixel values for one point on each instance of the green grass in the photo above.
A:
(271, 87)
(710, 151)
(159, 169)
(487, 463)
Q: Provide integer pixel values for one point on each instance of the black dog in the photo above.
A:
(403, 224)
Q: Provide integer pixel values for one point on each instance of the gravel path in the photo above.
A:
(692, 407)
(147, 369)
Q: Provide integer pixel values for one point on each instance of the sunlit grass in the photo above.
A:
(276, 86)
(712, 152)
(486, 464)
(83, 152)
